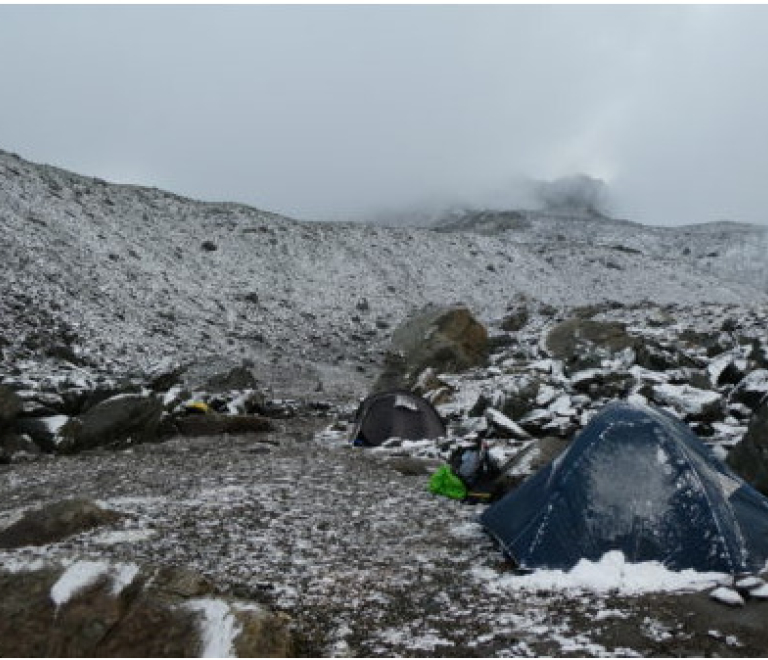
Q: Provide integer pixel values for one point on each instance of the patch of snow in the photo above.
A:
(727, 596)
(603, 615)
(13, 564)
(467, 530)
(749, 582)
(562, 406)
(218, 628)
(123, 536)
(611, 574)
(759, 592)
(75, 578)
(547, 394)
(122, 577)
(656, 630)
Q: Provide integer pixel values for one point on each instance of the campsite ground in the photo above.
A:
(352, 546)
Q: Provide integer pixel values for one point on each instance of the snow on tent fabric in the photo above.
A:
(396, 414)
(639, 481)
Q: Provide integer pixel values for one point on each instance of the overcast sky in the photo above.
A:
(341, 111)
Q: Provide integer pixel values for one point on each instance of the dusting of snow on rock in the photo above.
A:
(686, 399)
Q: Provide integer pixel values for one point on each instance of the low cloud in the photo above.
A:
(349, 111)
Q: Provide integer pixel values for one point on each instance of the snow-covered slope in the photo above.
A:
(137, 274)
(733, 251)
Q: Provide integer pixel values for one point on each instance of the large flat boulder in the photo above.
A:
(446, 339)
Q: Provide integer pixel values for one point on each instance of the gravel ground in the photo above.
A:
(363, 558)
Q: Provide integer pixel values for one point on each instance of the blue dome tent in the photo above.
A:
(636, 480)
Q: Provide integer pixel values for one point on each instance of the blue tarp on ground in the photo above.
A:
(636, 480)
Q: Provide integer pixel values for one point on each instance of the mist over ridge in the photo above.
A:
(345, 112)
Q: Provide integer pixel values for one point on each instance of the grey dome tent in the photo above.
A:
(396, 414)
(636, 480)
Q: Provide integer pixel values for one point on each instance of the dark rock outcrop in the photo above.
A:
(749, 458)
(14, 446)
(115, 420)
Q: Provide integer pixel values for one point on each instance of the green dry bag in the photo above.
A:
(445, 482)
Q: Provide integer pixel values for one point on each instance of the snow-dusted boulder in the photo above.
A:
(108, 609)
(691, 403)
(727, 369)
(584, 343)
(658, 357)
(752, 389)
(520, 399)
(448, 339)
(126, 416)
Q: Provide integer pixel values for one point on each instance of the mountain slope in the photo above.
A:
(138, 274)
(732, 251)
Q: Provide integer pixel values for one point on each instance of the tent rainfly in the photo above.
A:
(396, 414)
(636, 480)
